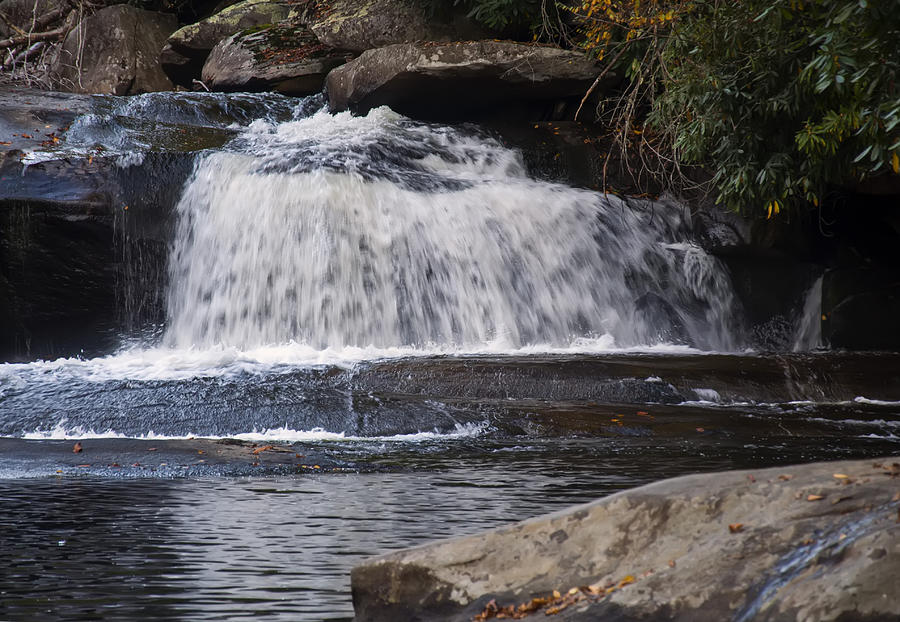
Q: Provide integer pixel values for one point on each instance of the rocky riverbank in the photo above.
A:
(812, 542)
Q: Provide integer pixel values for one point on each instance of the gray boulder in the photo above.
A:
(115, 51)
(284, 58)
(454, 79)
(811, 542)
(187, 48)
(359, 25)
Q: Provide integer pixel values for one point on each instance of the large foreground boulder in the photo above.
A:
(284, 58)
(447, 80)
(816, 542)
(115, 51)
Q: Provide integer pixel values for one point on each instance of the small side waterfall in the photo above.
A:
(337, 231)
(808, 335)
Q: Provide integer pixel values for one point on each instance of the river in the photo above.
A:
(378, 332)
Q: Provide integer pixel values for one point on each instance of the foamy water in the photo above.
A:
(61, 431)
(342, 232)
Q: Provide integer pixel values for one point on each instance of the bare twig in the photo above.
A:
(599, 78)
(24, 54)
(32, 37)
(51, 16)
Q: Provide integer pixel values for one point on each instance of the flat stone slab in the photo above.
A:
(166, 458)
(416, 78)
(810, 542)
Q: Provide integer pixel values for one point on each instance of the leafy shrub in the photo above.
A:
(781, 99)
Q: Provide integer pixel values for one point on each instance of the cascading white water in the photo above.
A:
(808, 332)
(337, 231)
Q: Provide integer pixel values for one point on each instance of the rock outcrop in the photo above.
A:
(79, 232)
(115, 51)
(284, 58)
(445, 80)
(811, 542)
(363, 25)
(187, 48)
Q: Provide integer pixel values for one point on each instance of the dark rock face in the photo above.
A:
(455, 80)
(811, 542)
(861, 309)
(82, 239)
(284, 58)
(187, 49)
(115, 51)
(83, 248)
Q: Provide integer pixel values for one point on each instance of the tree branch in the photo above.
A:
(32, 37)
(597, 81)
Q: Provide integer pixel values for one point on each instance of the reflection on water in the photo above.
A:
(281, 547)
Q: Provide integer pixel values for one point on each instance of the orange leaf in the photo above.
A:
(259, 450)
(814, 497)
(736, 527)
(77, 448)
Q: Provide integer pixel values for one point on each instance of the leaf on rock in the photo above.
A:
(77, 448)
(259, 450)
(814, 497)
(736, 527)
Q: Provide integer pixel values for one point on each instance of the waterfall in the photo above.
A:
(808, 333)
(336, 231)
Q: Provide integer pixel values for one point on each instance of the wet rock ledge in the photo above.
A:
(811, 542)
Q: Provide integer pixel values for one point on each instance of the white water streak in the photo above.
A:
(808, 335)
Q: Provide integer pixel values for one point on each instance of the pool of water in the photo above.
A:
(142, 526)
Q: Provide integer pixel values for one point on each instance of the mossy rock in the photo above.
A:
(360, 25)
(202, 36)
(285, 57)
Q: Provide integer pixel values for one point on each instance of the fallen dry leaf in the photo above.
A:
(259, 450)
(840, 476)
(736, 527)
(814, 497)
(785, 478)
(671, 563)
(77, 448)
